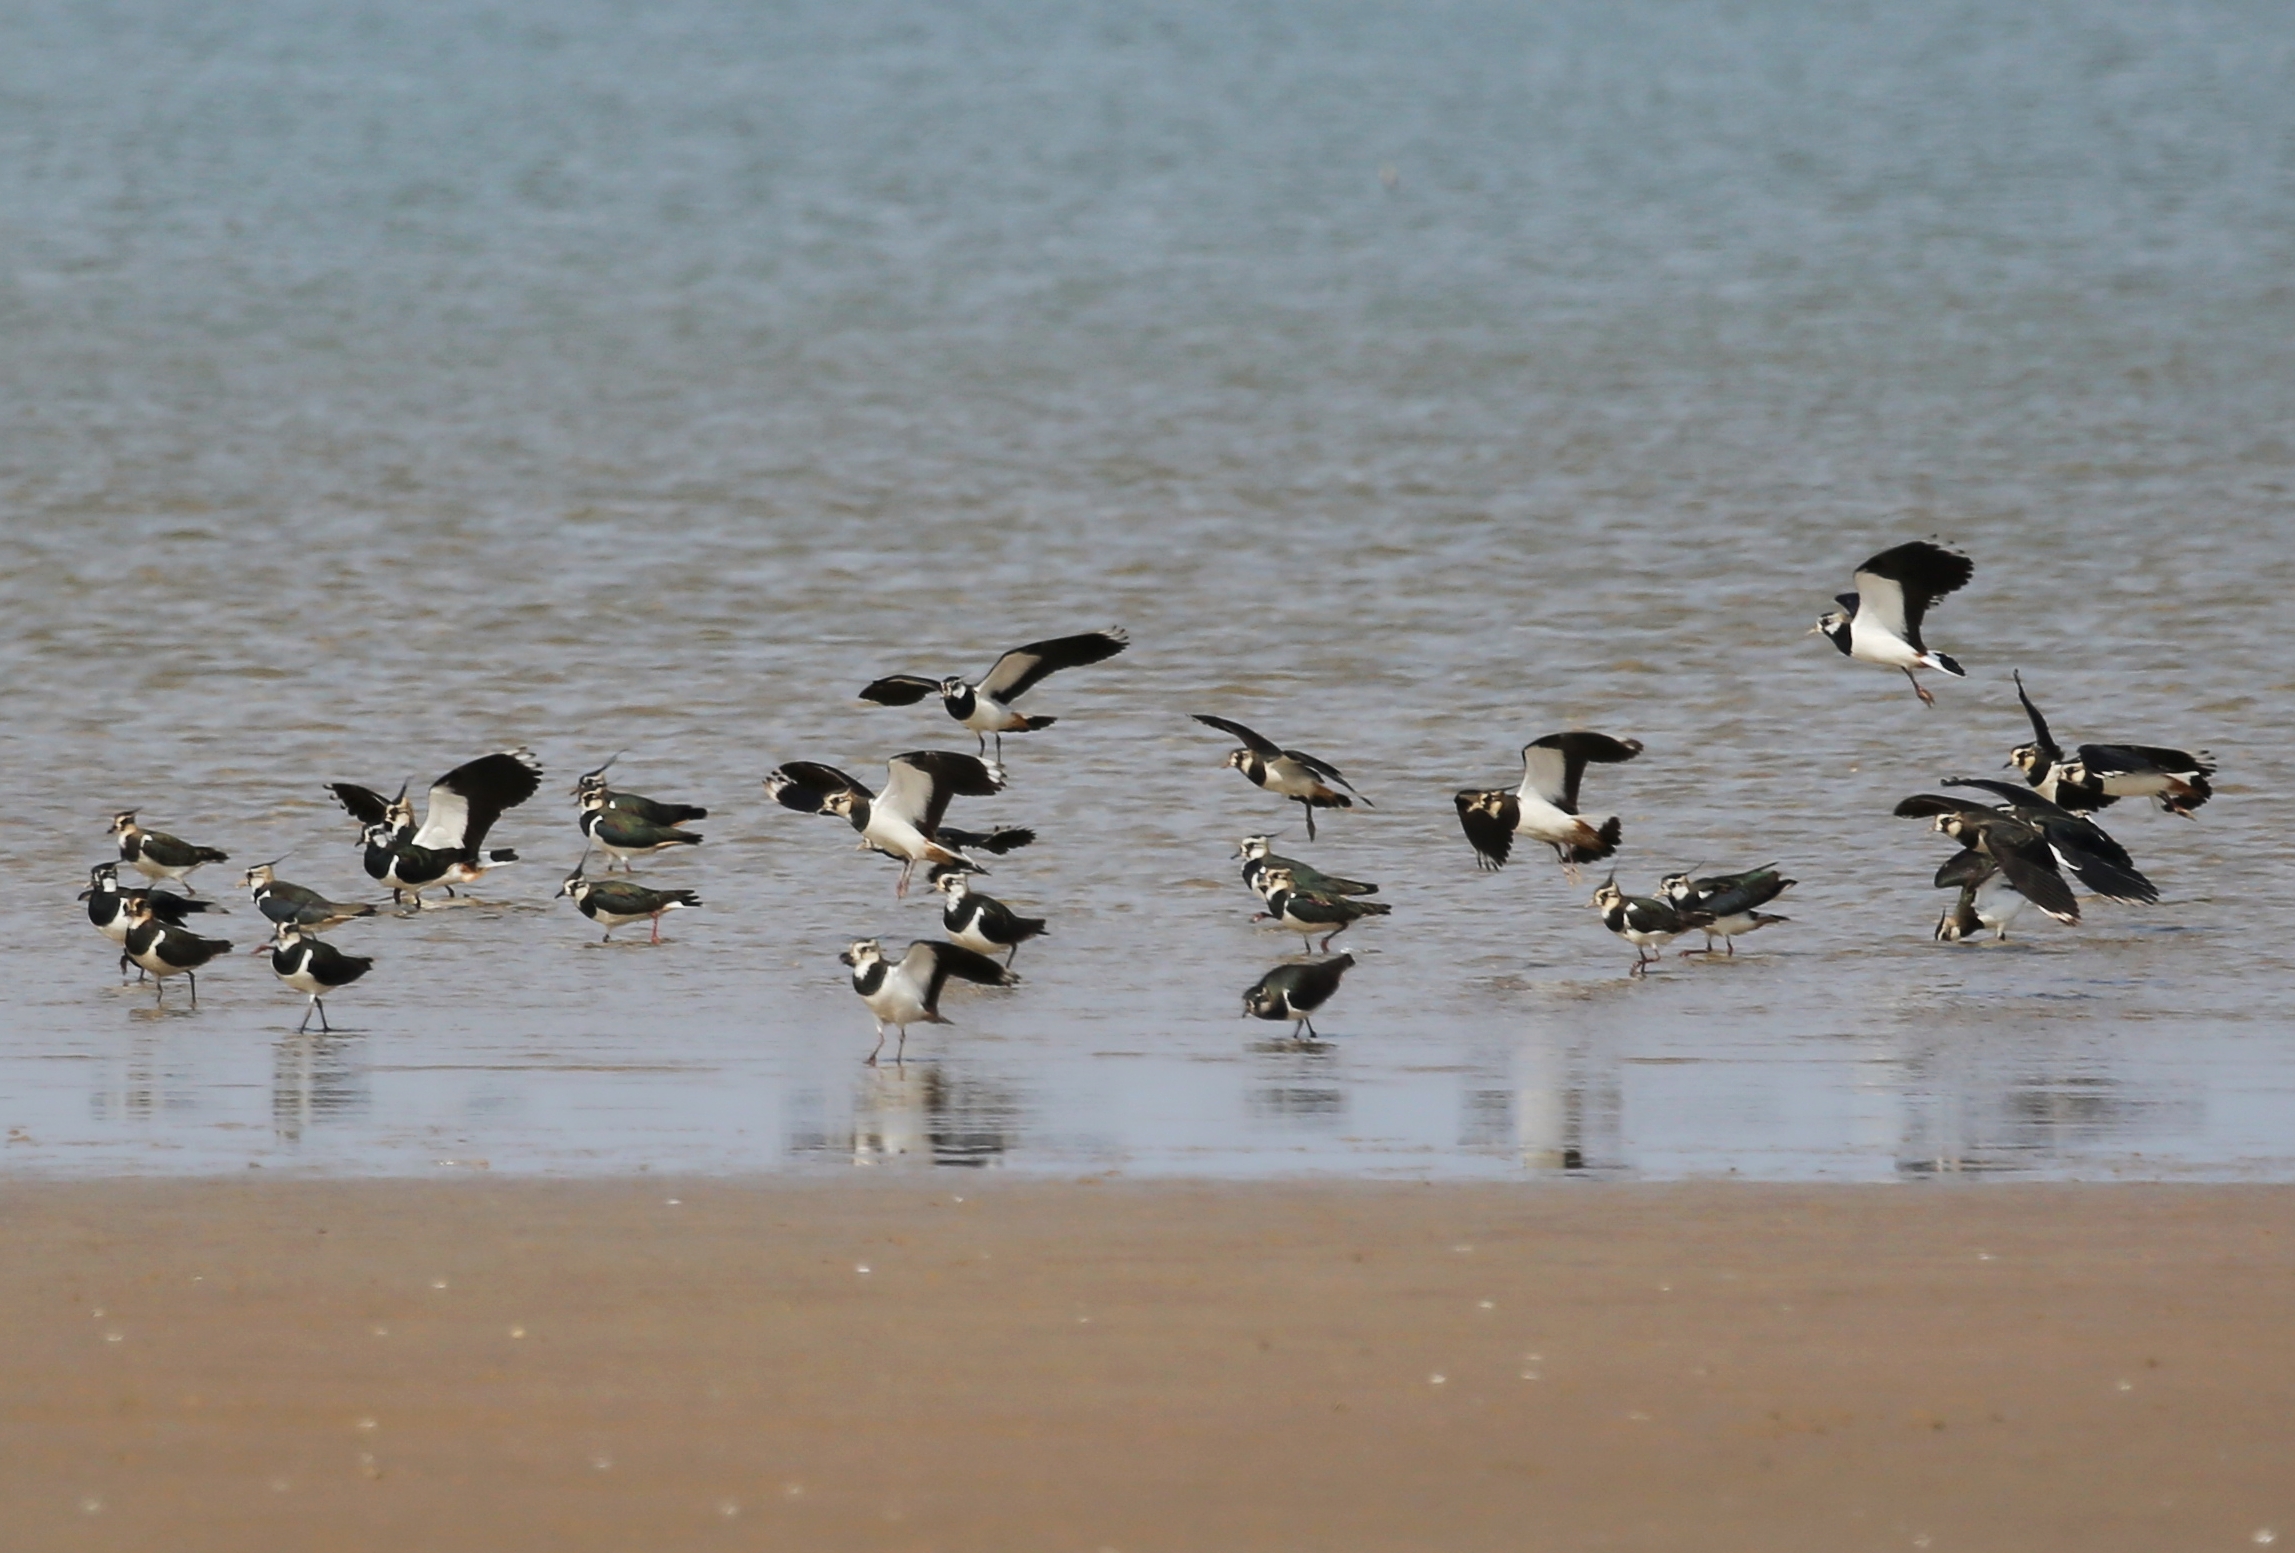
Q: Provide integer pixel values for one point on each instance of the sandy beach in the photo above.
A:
(949, 1362)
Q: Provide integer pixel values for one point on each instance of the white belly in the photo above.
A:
(896, 1002)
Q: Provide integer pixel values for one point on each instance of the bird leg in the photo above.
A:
(1327, 937)
(900, 890)
(1731, 943)
(900, 1052)
(880, 1046)
(1310, 808)
(194, 975)
(656, 929)
(1920, 690)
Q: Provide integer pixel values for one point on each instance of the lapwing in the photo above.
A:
(446, 848)
(624, 834)
(1329, 915)
(1732, 901)
(1545, 806)
(1986, 899)
(2083, 849)
(982, 923)
(652, 810)
(1295, 991)
(1644, 921)
(409, 869)
(1880, 622)
(1305, 780)
(314, 967)
(110, 907)
(1259, 856)
(2096, 776)
(906, 991)
(159, 856)
(283, 903)
(613, 903)
(903, 821)
(2019, 850)
(986, 707)
(167, 950)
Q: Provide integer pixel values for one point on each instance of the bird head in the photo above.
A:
(2023, 758)
(863, 952)
(595, 798)
(1254, 846)
(102, 874)
(1675, 887)
(261, 874)
(575, 884)
(122, 823)
(953, 689)
(951, 883)
(593, 780)
(1607, 894)
(1262, 1002)
(1275, 879)
(839, 803)
(1831, 623)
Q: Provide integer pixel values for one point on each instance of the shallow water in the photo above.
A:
(383, 387)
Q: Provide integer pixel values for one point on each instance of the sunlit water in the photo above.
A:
(387, 384)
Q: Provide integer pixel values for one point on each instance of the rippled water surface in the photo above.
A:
(385, 384)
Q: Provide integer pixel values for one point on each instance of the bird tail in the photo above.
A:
(362, 909)
(683, 838)
(682, 898)
(1605, 842)
(1034, 723)
(1374, 908)
(211, 854)
(1946, 662)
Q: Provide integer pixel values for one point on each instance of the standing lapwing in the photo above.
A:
(111, 907)
(1880, 622)
(1733, 902)
(613, 903)
(2096, 776)
(157, 855)
(1307, 781)
(2018, 850)
(903, 821)
(1295, 991)
(1294, 908)
(906, 991)
(1644, 921)
(1986, 898)
(652, 810)
(1259, 856)
(166, 950)
(1545, 806)
(982, 923)
(986, 707)
(282, 903)
(625, 834)
(445, 850)
(314, 967)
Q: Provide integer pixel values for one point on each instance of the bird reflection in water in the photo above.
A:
(923, 1111)
(315, 1078)
(144, 1089)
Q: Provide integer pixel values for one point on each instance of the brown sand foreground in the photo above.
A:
(503, 1366)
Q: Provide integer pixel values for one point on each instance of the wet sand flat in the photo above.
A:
(945, 1362)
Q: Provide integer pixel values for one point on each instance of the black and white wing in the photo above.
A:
(1265, 748)
(1308, 986)
(1553, 766)
(2115, 760)
(2080, 845)
(1927, 805)
(1965, 870)
(920, 784)
(1322, 768)
(1014, 673)
(1489, 818)
(997, 842)
(805, 785)
(366, 805)
(465, 803)
(1896, 587)
(900, 689)
(2042, 739)
(930, 962)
